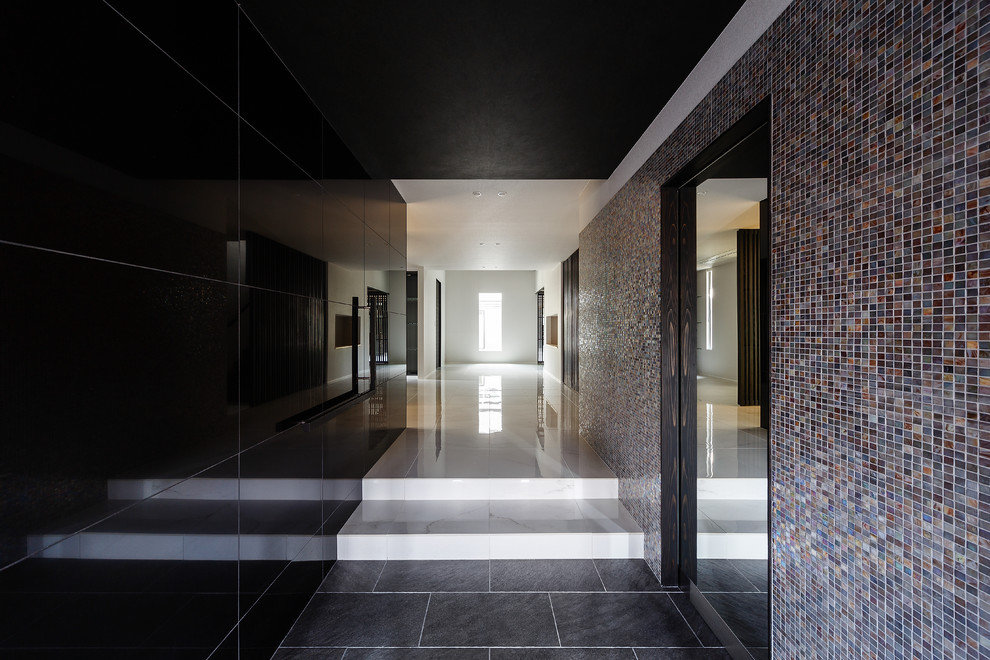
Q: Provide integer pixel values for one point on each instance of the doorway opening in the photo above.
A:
(439, 335)
(716, 220)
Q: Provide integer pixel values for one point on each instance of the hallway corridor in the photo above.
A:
(443, 560)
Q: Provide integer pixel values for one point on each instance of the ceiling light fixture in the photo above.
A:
(480, 243)
(502, 193)
(477, 193)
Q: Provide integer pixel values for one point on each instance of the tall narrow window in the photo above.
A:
(709, 296)
(489, 321)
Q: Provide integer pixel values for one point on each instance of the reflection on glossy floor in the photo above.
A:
(732, 475)
(491, 472)
(491, 466)
(732, 512)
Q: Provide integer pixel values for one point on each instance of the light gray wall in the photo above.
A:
(518, 289)
(723, 360)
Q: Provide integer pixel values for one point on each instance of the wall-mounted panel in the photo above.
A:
(174, 275)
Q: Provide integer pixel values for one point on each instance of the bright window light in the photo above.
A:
(709, 296)
(489, 321)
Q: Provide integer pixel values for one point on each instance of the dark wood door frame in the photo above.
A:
(746, 143)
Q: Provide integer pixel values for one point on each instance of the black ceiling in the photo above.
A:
(490, 89)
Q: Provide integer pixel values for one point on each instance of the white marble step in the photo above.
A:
(732, 528)
(489, 488)
(490, 529)
(733, 488)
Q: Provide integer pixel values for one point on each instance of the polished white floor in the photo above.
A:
(732, 475)
(490, 466)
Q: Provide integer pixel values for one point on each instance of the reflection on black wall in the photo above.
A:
(180, 226)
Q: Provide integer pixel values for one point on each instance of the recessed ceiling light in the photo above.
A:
(498, 244)
(502, 193)
(480, 243)
(477, 193)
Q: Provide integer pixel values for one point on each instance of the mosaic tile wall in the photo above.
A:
(880, 196)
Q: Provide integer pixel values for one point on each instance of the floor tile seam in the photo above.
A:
(556, 629)
(380, 573)
(425, 614)
(684, 619)
(595, 564)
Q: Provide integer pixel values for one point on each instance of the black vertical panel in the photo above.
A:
(287, 346)
(688, 370)
(439, 331)
(412, 322)
(749, 317)
(570, 289)
(539, 326)
(670, 384)
(765, 314)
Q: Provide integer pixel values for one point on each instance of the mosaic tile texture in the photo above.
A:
(880, 439)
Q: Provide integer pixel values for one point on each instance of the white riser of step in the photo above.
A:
(732, 489)
(182, 547)
(732, 546)
(490, 546)
(490, 529)
(489, 489)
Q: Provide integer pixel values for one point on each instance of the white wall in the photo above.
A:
(723, 360)
(550, 281)
(518, 289)
(427, 310)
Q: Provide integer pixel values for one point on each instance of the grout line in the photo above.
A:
(595, 563)
(683, 618)
(635, 655)
(425, 614)
(378, 579)
(554, 614)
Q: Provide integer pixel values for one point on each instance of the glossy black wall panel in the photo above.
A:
(159, 495)
(92, 383)
(376, 205)
(200, 36)
(169, 226)
(275, 105)
(397, 220)
(138, 113)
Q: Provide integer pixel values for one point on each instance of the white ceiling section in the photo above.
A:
(533, 226)
(725, 205)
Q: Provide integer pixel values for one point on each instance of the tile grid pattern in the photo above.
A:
(881, 365)
(499, 609)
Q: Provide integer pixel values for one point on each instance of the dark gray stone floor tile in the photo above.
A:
(695, 620)
(360, 620)
(562, 654)
(352, 576)
(417, 654)
(504, 619)
(720, 575)
(683, 654)
(620, 619)
(435, 576)
(746, 614)
(308, 654)
(545, 575)
(756, 571)
(627, 575)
